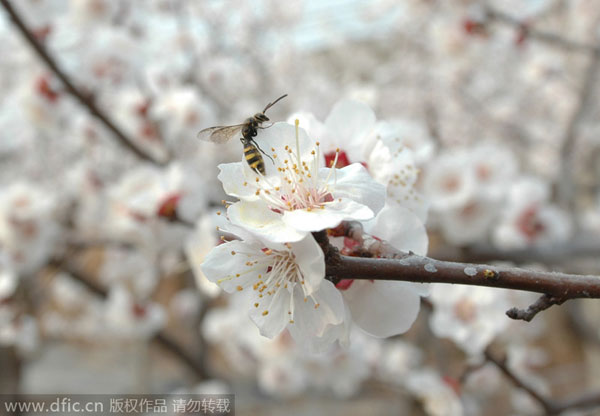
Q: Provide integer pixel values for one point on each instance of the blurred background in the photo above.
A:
(107, 198)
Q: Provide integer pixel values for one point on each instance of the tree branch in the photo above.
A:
(551, 406)
(494, 15)
(70, 87)
(413, 268)
(543, 303)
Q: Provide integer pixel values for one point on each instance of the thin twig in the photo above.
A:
(539, 35)
(74, 91)
(196, 365)
(566, 188)
(548, 404)
(543, 303)
(551, 406)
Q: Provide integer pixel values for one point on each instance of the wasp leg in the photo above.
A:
(262, 151)
(259, 127)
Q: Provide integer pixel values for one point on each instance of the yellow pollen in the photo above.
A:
(245, 183)
(318, 143)
(239, 288)
(297, 122)
(257, 191)
(268, 252)
(265, 313)
(218, 212)
(305, 299)
(232, 253)
(272, 149)
(337, 150)
(256, 179)
(256, 305)
(317, 305)
(237, 275)
(291, 321)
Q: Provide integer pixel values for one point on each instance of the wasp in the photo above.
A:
(249, 129)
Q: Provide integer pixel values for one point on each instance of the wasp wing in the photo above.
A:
(219, 134)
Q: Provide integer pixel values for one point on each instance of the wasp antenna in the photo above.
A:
(274, 102)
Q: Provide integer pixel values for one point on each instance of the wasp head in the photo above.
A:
(261, 117)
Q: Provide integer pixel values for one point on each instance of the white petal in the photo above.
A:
(281, 135)
(230, 270)
(401, 228)
(348, 125)
(311, 261)
(233, 177)
(328, 217)
(354, 182)
(271, 314)
(382, 308)
(311, 321)
(257, 218)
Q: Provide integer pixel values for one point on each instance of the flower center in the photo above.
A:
(299, 184)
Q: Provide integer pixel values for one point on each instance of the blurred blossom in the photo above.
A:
(438, 397)
(470, 316)
(530, 219)
(200, 242)
(130, 319)
(28, 225)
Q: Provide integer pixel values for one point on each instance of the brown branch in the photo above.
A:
(74, 91)
(565, 186)
(494, 15)
(414, 268)
(585, 401)
(162, 338)
(548, 404)
(543, 303)
(551, 406)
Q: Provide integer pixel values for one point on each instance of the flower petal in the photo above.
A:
(401, 228)
(257, 218)
(311, 320)
(311, 261)
(354, 182)
(226, 265)
(233, 177)
(271, 314)
(383, 308)
(348, 125)
(330, 216)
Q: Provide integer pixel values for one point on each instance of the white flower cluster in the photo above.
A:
(314, 181)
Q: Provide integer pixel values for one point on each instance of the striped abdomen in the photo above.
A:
(254, 158)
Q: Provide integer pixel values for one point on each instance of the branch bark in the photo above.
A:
(85, 100)
(543, 303)
(413, 268)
